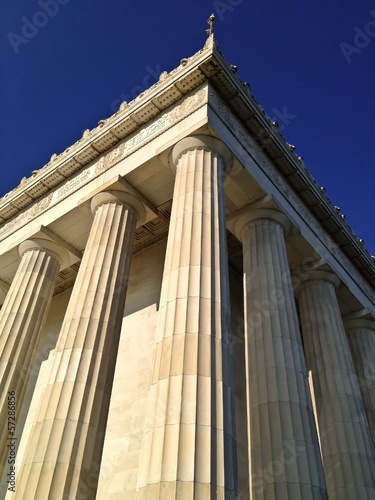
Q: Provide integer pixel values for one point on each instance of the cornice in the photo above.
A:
(170, 88)
(208, 64)
(239, 98)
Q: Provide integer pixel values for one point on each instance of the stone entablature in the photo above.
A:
(285, 196)
(107, 160)
(206, 65)
(289, 201)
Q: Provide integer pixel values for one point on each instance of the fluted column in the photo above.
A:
(361, 335)
(4, 287)
(65, 445)
(347, 448)
(21, 319)
(189, 447)
(284, 455)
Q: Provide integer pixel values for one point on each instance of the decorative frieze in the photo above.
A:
(189, 104)
(26, 216)
(167, 120)
(70, 185)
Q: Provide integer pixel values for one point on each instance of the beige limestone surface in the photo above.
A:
(361, 335)
(284, 455)
(345, 439)
(65, 445)
(189, 441)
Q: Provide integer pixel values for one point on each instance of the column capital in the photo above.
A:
(52, 248)
(346, 443)
(358, 323)
(274, 353)
(195, 285)
(120, 198)
(203, 142)
(318, 275)
(260, 214)
(99, 293)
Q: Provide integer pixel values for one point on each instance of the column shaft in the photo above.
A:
(189, 447)
(4, 288)
(284, 452)
(21, 320)
(64, 450)
(346, 445)
(361, 335)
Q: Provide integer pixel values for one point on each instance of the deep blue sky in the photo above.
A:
(91, 54)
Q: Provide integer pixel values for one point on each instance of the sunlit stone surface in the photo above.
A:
(133, 362)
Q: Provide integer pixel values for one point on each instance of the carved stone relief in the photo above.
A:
(166, 120)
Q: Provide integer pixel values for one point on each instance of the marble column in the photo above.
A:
(361, 335)
(4, 287)
(284, 454)
(21, 320)
(189, 440)
(63, 453)
(346, 444)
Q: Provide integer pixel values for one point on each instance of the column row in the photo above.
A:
(345, 439)
(189, 445)
(62, 457)
(285, 459)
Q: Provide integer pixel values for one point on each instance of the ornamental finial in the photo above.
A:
(211, 22)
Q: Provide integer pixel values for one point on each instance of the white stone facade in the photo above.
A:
(184, 314)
